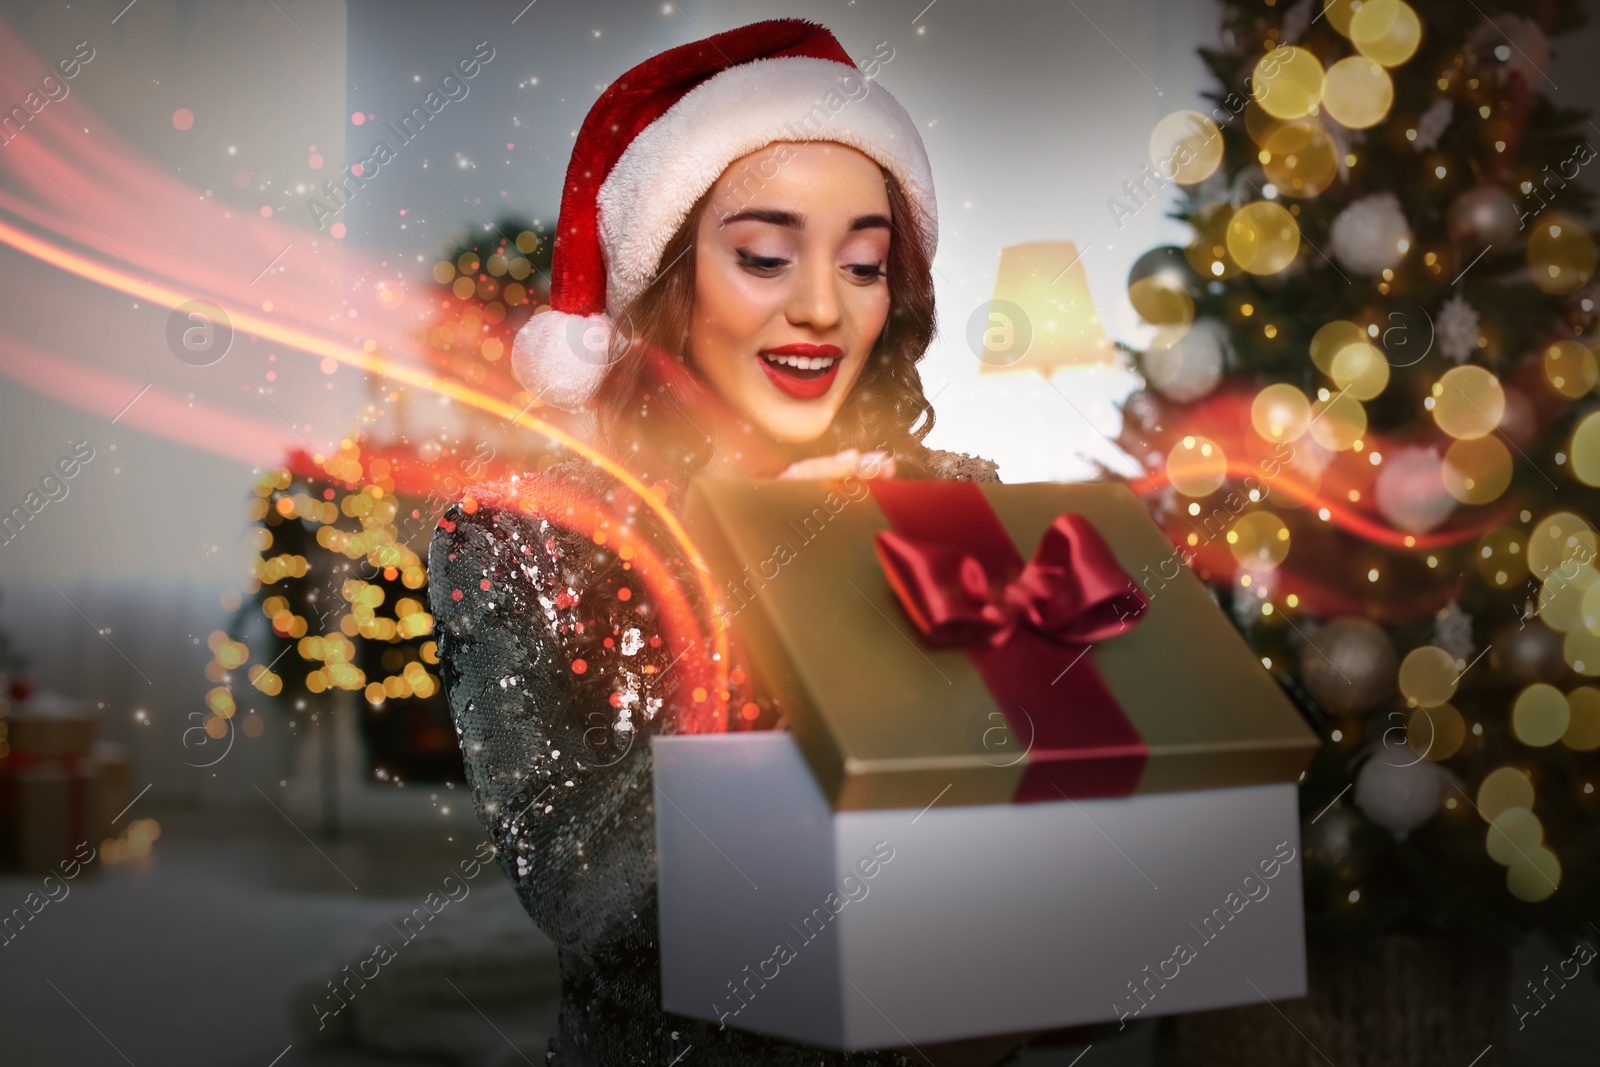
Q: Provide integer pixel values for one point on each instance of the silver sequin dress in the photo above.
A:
(558, 761)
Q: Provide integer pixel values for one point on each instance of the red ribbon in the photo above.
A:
(1026, 627)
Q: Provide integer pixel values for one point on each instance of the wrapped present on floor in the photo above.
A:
(111, 761)
(1015, 721)
(50, 784)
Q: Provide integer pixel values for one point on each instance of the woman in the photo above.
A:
(771, 296)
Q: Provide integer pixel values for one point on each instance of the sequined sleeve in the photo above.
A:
(551, 680)
(959, 466)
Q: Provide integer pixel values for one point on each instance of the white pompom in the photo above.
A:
(561, 358)
(1371, 235)
(1402, 795)
(1190, 367)
(1410, 490)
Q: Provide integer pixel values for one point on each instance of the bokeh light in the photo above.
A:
(1280, 412)
(1385, 31)
(1468, 402)
(1585, 449)
(1327, 342)
(1263, 237)
(1358, 92)
(1186, 147)
(1561, 254)
(1502, 557)
(1560, 545)
(1428, 676)
(1501, 789)
(1436, 732)
(1513, 835)
(1477, 471)
(1583, 728)
(1338, 422)
(1259, 541)
(1300, 158)
(1287, 82)
(1197, 466)
(1570, 368)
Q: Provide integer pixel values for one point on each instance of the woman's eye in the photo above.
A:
(762, 265)
(866, 271)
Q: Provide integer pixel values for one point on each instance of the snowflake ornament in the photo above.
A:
(1432, 125)
(1457, 329)
(1452, 631)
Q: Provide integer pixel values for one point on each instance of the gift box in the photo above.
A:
(51, 798)
(910, 926)
(1030, 773)
(1098, 666)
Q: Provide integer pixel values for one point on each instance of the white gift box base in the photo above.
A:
(975, 920)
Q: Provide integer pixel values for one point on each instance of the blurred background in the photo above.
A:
(247, 357)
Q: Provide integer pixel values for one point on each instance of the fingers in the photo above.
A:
(849, 461)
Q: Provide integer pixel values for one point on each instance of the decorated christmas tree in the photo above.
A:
(341, 572)
(1370, 423)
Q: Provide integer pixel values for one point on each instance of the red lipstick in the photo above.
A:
(813, 378)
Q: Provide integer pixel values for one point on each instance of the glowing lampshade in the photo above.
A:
(1042, 317)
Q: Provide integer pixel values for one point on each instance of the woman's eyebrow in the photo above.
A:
(792, 219)
(870, 222)
(796, 221)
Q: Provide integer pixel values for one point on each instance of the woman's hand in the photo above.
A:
(850, 461)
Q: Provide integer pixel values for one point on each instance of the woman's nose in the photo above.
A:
(814, 302)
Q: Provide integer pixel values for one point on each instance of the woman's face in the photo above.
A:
(791, 259)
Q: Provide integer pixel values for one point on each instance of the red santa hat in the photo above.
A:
(657, 139)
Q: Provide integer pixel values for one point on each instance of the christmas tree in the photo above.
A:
(341, 571)
(1370, 423)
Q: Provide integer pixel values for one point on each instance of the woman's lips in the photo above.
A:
(802, 371)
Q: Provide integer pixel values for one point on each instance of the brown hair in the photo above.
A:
(642, 400)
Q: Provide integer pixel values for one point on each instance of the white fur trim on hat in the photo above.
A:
(675, 159)
(560, 358)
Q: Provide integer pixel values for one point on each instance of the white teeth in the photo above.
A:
(803, 362)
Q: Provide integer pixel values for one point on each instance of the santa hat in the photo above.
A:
(657, 139)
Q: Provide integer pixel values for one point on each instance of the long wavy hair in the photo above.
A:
(651, 384)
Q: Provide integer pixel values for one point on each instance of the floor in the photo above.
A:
(217, 949)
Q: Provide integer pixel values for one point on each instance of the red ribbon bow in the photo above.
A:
(1024, 625)
(1072, 591)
